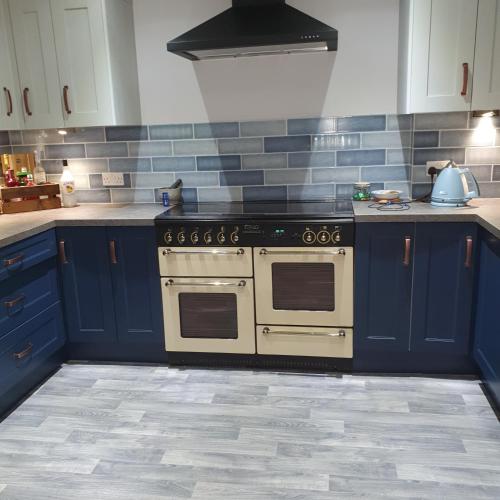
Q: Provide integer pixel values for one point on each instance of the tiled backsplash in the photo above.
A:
(282, 159)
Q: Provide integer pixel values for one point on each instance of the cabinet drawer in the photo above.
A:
(23, 297)
(27, 253)
(29, 344)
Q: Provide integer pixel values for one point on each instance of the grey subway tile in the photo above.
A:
(464, 138)
(241, 146)
(81, 180)
(399, 122)
(198, 179)
(490, 189)
(311, 192)
(426, 139)
(480, 121)
(53, 166)
(41, 136)
(345, 175)
(482, 173)
(174, 164)
(15, 136)
(130, 165)
(193, 148)
(285, 144)
(242, 178)
(422, 156)
(373, 140)
(405, 187)
(211, 163)
(91, 134)
(151, 180)
(437, 121)
(16, 149)
(93, 196)
(188, 195)
(361, 123)
(399, 156)
(311, 160)
(128, 133)
(420, 189)
(96, 181)
(334, 142)
(216, 130)
(386, 173)
(64, 151)
(419, 174)
(299, 126)
(483, 155)
(106, 150)
(4, 138)
(220, 194)
(264, 193)
(294, 176)
(262, 128)
(82, 166)
(496, 172)
(155, 148)
(171, 132)
(5, 150)
(132, 195)
(361, 158)
(263, 161)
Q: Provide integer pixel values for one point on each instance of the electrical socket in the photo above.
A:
(112, 179)
(435, 166)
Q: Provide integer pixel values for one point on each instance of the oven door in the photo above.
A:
(208, 315)
(304, 286)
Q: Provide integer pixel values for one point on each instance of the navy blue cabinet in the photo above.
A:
(487, 326)
(111, 290)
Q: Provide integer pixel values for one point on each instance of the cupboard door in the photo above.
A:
(87, 288)
(37, 63)
(486, 93)
(136, 284)
(443, 40)
(443, 288)
(383, 282)
(84, 68)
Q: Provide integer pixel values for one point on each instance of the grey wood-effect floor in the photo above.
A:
(143, 433)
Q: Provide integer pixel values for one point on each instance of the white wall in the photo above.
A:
(361, 78)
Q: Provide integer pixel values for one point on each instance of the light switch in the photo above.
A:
(112, 179)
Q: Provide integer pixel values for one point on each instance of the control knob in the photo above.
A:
(207, 237)
(234, 235)
(195, 237)
(181, 237)
(323, 237)
(308, 237)
(336, 237)
(168, 238)
(221, 238)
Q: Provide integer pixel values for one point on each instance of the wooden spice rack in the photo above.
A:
(27, 199)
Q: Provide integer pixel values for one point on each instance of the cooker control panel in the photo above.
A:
(255, 233)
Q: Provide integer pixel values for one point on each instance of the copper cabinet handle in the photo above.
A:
(9, 101)
(112, 252)
(26, 101)
(9, 304)
(23, 354)
(465, 79)
(468, 252)
(406, 258)
(62, 252)
(66, 101)
(14, 260)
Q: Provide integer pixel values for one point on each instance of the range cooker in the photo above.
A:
(258, 283)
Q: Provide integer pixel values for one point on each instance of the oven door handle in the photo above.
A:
(240, 283)
(265, 251)
(240, 251)
(268, 331)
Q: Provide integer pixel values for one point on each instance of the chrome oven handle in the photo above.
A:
(265, 251)
(268, 331)
(240, 251)
(240, 283)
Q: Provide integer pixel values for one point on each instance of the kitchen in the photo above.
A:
(275, 271)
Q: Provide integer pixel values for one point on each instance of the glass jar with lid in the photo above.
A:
(361, 191)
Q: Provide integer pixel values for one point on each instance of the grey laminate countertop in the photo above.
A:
(16, 227)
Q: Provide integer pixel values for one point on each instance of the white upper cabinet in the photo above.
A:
(37, 63)
(437, 41)
(486, 94)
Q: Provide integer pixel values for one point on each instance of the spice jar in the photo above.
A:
(361, 191)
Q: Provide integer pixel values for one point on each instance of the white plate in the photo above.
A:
(387, 194)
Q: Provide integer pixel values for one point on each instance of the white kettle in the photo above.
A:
(454, 187)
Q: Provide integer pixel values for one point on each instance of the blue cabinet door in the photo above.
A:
(136, 284)
(487, 326)
(383, 282)
(443, 288)
(87, 288)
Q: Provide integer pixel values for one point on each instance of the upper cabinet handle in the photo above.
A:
(9, 101)
(66, 100)
(468, 252)
(26, 91)
(465, 79)
(112, 252)
(62, 252)
(406, 258)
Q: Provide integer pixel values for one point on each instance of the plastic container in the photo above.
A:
(67, 183)
(174, 195)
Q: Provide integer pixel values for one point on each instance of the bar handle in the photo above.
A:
(13, 260)
(465, 79)
(265, 251)
(27, 108)
(62, 252)
(169, 251)
(468, 252)
(268, 331)
(406, 258)
(240, 283)
(66, 99)
(24, 353)
(112, 252)
(10, 108)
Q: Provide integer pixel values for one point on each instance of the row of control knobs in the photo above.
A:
(322, 237)
(208, 237)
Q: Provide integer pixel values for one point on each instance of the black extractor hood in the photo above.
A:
(252, 28)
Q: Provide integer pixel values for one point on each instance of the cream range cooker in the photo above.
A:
(258, 284)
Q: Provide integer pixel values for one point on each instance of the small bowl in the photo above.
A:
(174, 195)
(387, 194)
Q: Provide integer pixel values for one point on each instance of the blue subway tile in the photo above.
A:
(262, 128)
(132, 195)
(286, 144)
(399, 122)
(171, 132)
(152, 180)
(385, 173)
(91, 134)
(106, 150)
(15, 136)
(93, 196)
(41, 136)
(129, 133)
(4, 138)
(195, 147)
(465, 138)
(336, 174)
(63, 151)
(130, 165)
(361, 123)
(229, 162)
(482, 156)
(263, 161)
(174, 164)
(242, 178)
(438, 121)
(311, 192)
(241, 146)
(378, 140)
(361, 158)
(198, 179)
(216, 130)
(264, 193)
(426, 139)
(287, 176)
(422, 156)
(220, 194)
(300, 126)
(334, 142)
(311, 160)
(155, 148)
(189, 195)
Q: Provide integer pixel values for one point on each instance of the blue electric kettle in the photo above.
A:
(454, 187)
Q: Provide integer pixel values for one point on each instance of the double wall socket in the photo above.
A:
(436, 165)
(112, 179)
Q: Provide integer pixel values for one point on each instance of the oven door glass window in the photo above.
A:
(303, 286)
(208, 315)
